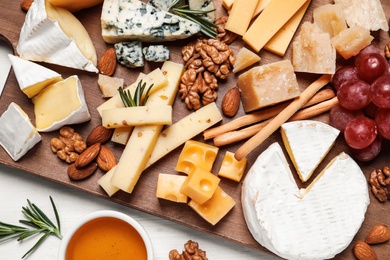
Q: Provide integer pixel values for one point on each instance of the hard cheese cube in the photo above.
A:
(330, 19)
(200, 185)
(109, 85)
(156, 53)
(232, 168)
(196, 154)
(267, 85)
(312, 51)
(129, 54)
(215, 208)
(349, 42)
(168, 187)
(244, 59)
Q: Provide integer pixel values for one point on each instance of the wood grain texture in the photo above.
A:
(42, 162)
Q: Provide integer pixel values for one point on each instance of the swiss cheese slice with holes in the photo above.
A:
(313, 223)
(307, 143)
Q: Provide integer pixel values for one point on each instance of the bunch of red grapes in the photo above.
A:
(363, 113)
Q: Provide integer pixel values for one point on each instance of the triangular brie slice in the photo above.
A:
(32, 77)
(308, 142)
(54, 35)
(315, 223)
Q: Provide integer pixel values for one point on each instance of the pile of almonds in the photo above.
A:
(377, 235)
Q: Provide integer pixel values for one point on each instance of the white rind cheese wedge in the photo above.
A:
(124, 20)
(308, 142)
(32, 77)
(17, 134)
(316, 223)
(55, 35)
(60, 104)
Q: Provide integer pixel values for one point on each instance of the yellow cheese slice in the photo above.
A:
(240, 16)
(261, 5)
(271, 19)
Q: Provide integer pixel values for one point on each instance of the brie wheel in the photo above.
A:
(307, 143)
(313, 223)
(54, 35)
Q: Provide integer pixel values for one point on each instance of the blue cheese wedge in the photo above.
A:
(129, 54)
(17, 134)
(203, 5)
(54, 35)
(156, 53)
(124, 20)
(165, 4)
(32, 77)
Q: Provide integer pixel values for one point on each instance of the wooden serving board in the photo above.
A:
(42, 162)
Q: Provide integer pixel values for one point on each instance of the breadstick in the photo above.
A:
(282, 117)
(261, 115)
(235, 136)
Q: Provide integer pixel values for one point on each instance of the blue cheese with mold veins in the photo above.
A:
(129, 54)
(203, 5)
(156, 53)
(124, 20)
(165, 4)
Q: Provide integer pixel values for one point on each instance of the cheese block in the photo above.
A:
(240, 16)
(366, 13)
(267, 85)
(268, 23)
(349, 42)
(129, 54)
(124, 20)
(244, 59)
(156, 53)
(313, 51)
(17, 134)
(217, 207)
(330, 18)
(183, 130)
(60, 104)
(32, 77)
(75, 5)
(54, 35)
(309, 224)
(307, 143)
(203, 5)
(231, 168)
(109, 85)
(168, 188)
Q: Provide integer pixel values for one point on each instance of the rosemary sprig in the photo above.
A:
(206, 27)
(139, 99)
(39, 223)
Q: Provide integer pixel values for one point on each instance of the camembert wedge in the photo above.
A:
(308, 142)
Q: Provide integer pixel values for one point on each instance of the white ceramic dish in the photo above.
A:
(100, 214)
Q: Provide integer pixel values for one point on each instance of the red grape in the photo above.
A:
(380, 91)
(344, 74)
(340, 117)
(371, 66)
(367, 50)
(382, 120)
(370, 110)
(370, 152)
(360, 132)
(354, 95)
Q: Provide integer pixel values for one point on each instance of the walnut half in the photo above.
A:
(380, 183)
(192, 252)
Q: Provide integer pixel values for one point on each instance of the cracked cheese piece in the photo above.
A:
(297, 224)
(270, 20)
(313, 51)
(183, 130)
(244, 59)
(109, 85)
(55, 35)
(240, 16)
(330, 18)
(217, 207)
(124, 20)
(168, 187)
(307, 143)
(32, 77)
(156, 53)
(143, 138)
(366, 13)
(129, 54)
(17, 134)
(60, 104)
(196, 154)
(231, 168)
(267, 85)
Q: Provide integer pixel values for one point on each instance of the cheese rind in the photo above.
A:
(295, 224)
(17, 134)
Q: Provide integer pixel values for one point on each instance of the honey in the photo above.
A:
(106, 238)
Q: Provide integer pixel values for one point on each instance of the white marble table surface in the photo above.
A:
(17, 186)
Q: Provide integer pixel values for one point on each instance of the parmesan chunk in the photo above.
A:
(330, 19)
(109, 85)
(244, 59)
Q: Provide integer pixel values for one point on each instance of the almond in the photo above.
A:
(231, 102)
(25, 5)
(378, 234)
(99, 134)
(106, 159)
(75, 173)
(88, 155)
(107, 62)
(363, 251)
